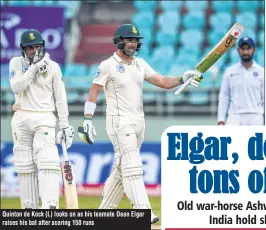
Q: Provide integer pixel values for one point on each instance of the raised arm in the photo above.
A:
(19, 81)
(164, 82)
(172, 82)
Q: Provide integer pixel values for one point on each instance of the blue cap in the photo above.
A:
(246, 40)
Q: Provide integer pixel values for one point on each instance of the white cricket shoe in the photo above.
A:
(154, 219)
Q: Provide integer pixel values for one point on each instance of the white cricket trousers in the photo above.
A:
(126, 136)
(116, 125)
(245, 119)
(34, 148)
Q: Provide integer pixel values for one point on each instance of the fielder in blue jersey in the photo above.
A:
(241, 98)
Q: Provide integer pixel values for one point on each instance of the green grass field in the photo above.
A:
(89, 202)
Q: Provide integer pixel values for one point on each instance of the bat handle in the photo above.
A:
(64, 149)
(182, 87)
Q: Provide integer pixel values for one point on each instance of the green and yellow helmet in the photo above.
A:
(126, 31)
(31, 37)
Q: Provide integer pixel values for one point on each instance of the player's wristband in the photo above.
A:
(181, 80)
(89, 109)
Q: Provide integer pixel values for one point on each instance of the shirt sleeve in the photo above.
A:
(60, 97)
(262, 87)
(19, 81)
(102, 74)
(224, 98)
(148, 70)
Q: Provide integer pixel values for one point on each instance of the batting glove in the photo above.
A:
(86, 131)
(193, 76)
(66, 134)
(42, 63)
(39, 55)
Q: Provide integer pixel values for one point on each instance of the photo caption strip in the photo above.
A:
(97, 219)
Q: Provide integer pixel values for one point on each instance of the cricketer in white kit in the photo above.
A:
(241, 99)
(39, 90)
(122, 76)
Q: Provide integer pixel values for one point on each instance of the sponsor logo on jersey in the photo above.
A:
(44, 71)
(233, 74)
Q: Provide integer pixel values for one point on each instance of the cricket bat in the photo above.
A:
(69, 182)
(224, 45)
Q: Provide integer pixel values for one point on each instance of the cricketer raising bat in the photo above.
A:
(224, 44)
(70, 190)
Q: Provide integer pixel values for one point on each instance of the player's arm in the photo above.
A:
(224, 99)
(86, 130)
(172, 82)
(161, 81)
(60, 98)
(262, 89)
(62, 109)
(91, 100)
(164, 82)
(19, 81)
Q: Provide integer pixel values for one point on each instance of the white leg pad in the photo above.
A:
(28, 183)
(132, 173)
(113, 190)
(48, 163)
(49, 188)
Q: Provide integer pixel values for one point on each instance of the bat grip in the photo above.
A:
(182, 87)
(64, 149)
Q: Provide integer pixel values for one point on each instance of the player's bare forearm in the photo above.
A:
(170, 82)
(164, 82)
(94, 92)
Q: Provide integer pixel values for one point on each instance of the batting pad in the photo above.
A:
(48, 163)
(131, 167)
(113, 190)
(49, 188)
(28, 183)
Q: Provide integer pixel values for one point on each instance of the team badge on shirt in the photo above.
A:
(120, 68)
(12, 74)
(98, 73)
(255, 74)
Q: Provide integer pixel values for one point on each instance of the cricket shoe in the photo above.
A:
(154, 219)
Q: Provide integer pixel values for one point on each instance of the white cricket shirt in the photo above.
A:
(123, 85)
(38, 92)
(242, 91)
